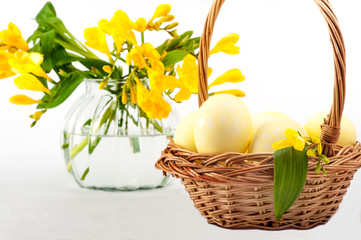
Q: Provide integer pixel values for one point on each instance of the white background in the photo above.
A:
(287, 60)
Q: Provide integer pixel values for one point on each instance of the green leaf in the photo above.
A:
(173, 57)
(63, 90)
(324, 158)
(318, 167)
(290, 172)
(47, 46)
(46, 12)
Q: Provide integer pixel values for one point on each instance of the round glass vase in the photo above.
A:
(111, 146)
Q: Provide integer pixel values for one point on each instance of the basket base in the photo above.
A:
(235, 206)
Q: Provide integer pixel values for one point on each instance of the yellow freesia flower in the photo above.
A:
(140, 25)
(139, 54)
(227, 45)
(107, 69)
(30, 82)
(150, 52)
(120, 28)
(157, 66)
(5, 67)
(37, 115)
(133, 94)
(12, 37)
(23, 100)
(188, 78)
(95, 38)
(293, 139)
(161, 11)
(232, 76)
(235, 92)
(124, 97)
(136, 56)
(160, 82)
(24, 62)
(152, 102)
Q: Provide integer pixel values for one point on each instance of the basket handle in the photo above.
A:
(331, 125)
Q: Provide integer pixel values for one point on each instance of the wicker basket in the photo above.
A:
(235, 190)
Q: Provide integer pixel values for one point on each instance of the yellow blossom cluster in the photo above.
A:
(142, 57)
(14, 59)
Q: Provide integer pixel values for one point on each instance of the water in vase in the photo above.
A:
(115, 162)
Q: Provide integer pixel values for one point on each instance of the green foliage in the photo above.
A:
(62, 90)
(290, 172)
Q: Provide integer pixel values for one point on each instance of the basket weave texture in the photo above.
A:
(235, 190)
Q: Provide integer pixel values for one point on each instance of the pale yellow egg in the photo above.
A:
(261, 118)
(271, 132)
(184, 134)
(224, 125)
(348, 131)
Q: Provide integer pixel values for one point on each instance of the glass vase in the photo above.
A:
(111, 146)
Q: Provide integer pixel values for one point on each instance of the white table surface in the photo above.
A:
(54, 207)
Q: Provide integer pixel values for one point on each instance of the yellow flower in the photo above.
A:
(124, 97)
(227, 45)
(95, 38)
(37, 115)
(232, 76)
(150, 52)
(24, 62)
(120, 28)
(136, 56)
(235, 92)
(317, 141)
(12, 37)
(23, 100)
(293, 139)
(5, 67)
(161, 82)
(30, 82)
(103, 84)
(133, 94)
(139, 54)
(107, 69)
(141, 25)
(161, 11)
(188, 78)
(157, 66)
(151, 102)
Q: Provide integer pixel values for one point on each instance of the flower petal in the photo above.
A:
(232, 76)
(30, 82)
(283, 143)
(299, 144)
(227, 45)
(23, 100)
(12, 37)
(162, 10)
(291, 133)
(141, 25)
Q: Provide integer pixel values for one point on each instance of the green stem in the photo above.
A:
(78, 147)
(142, 35)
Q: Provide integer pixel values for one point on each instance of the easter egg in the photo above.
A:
(261, 118)
(224, 125)
(347, 134)
(271, 132)
(184, 134)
